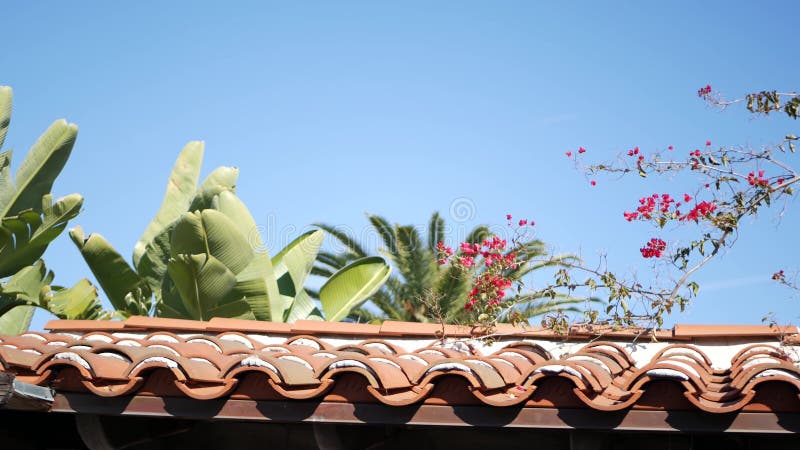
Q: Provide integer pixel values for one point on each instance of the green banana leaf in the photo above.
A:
(41, 166)
(302, 307)
(181, 189)
(7, 189)
(152, 266)
(293, 264)
(229, 204)
(202, 282)
(212, 232)
(17, 320)
(28, 286)
(6, 96)
(78, 302)
(152, 263)
(351, 286)
(220, 180)
(126, 291)
(24, 237)
(256, 285)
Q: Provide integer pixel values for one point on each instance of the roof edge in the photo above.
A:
(410, 329)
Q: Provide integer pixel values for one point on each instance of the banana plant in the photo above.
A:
(202, 257)
(30, 286)
(29, 220)
(347, 289)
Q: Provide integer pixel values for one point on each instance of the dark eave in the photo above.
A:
(429, 415)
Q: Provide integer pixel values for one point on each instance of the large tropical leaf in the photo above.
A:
(78, 302)
(7, 189)
(41, 166)
(212, 232)
(6, 96)
(124, 288)
(17, 320)
(302, 307)
(293, 264)
(152, 266)
(257, 282)
(24, 237)
(181, 189)
(220, 180)
(351, 286)
(256, 285)
(203, 282)
(229, 204)
(28, 286)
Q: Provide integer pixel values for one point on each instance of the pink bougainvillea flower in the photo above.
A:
(654, 248)
(704, 91)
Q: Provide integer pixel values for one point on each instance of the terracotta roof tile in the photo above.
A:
(317, 326)
(392, 328)
(694, 331)
(401, 364)
(82, 325)
(247, 326)
(160, 323)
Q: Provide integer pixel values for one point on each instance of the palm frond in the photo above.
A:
(478, 234)
(450, 289)
(385, 231)
(364, 315)
(389, 306)
(555, 261)
(532, 310)
(534, 305)
(342, 237)
(416, 263)
(333, 261)
(321, 271)
(435, 231)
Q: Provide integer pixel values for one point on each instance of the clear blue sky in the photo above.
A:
(334, 109)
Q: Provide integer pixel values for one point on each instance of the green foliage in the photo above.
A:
(352, 285)
(202, 256)
(765, 102)
(423, 290)
(29, 220)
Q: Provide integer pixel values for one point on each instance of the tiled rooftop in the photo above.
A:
(712, 368)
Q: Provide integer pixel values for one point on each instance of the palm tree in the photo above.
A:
(421, 290)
